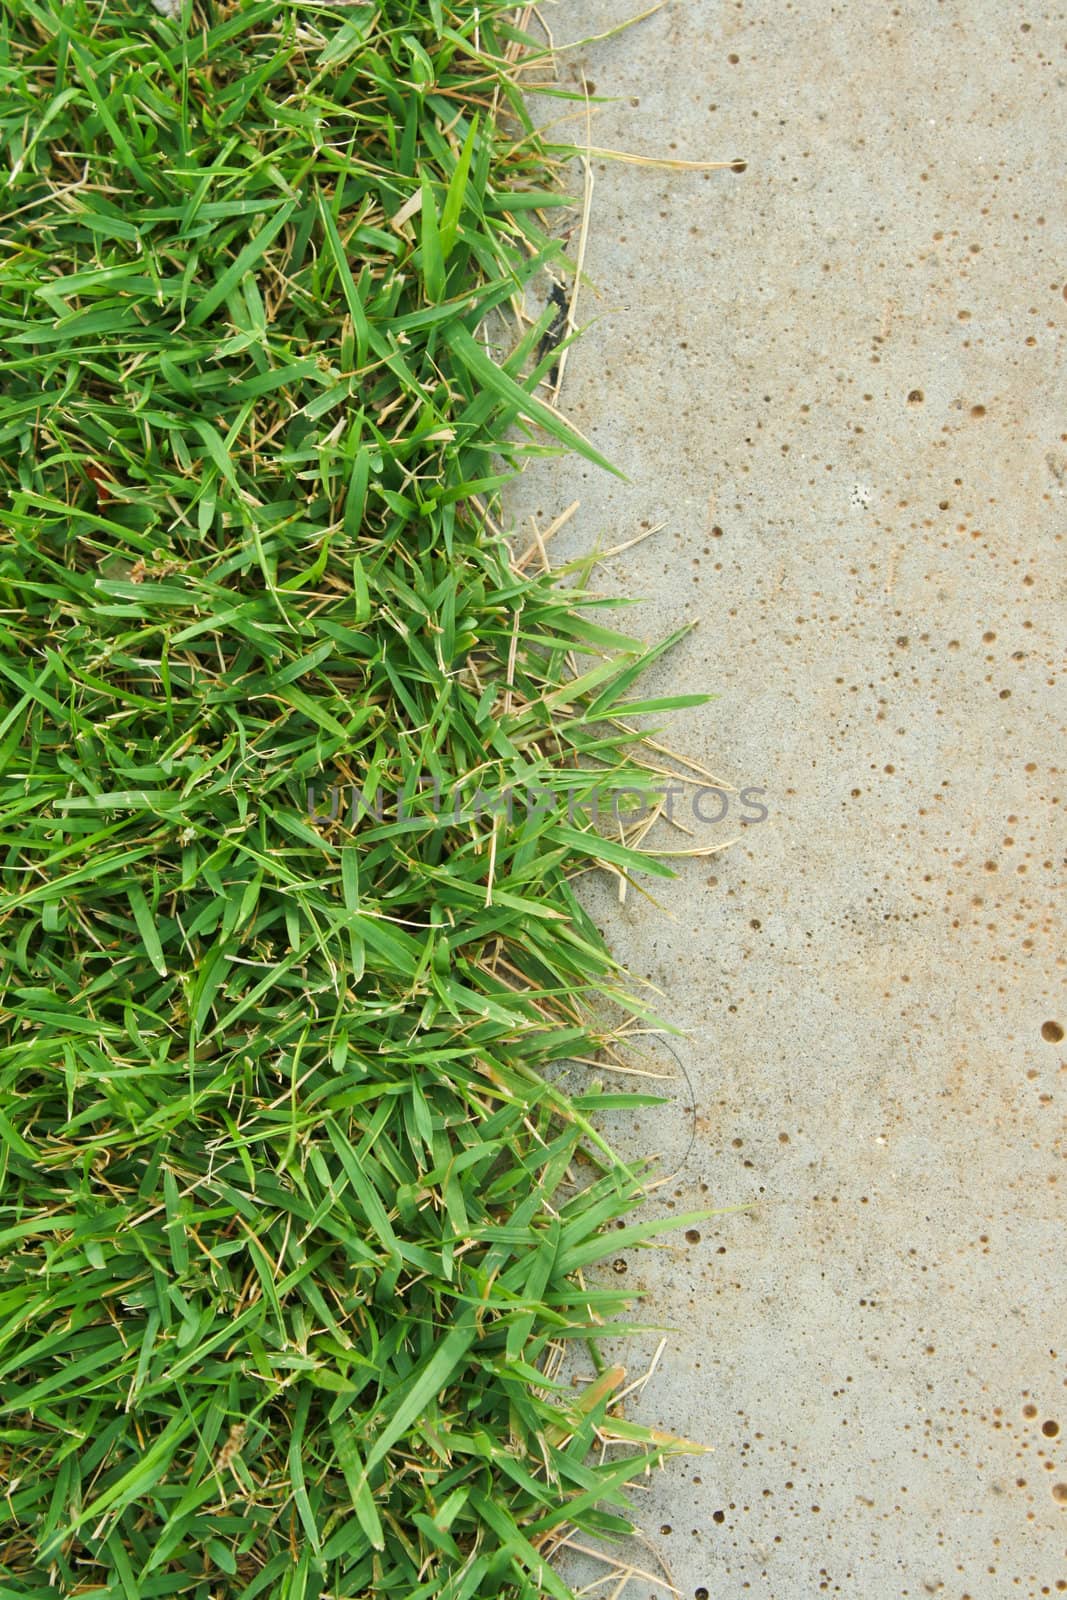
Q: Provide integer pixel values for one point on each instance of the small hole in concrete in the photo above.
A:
(1050, 1429)
(692, 1236)
(916, 397)
(1052, 1032)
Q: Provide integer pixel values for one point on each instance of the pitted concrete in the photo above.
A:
(837, 379)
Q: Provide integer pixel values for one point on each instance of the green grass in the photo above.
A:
(292, 1220)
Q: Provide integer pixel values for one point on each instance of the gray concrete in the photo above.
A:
(877, 1349)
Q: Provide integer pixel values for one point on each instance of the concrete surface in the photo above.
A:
(836, 378)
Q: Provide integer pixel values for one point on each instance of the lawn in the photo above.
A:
(294, 1225)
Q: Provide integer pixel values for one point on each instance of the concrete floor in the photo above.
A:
(835, 379)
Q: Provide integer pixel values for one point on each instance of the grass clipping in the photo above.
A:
(292, 1222)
